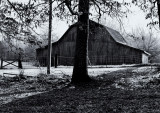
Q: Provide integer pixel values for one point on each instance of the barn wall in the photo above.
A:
(128, 55)
(65, 48)
(100, 47)
(144, 58)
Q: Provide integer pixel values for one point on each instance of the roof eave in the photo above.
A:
(147, 53)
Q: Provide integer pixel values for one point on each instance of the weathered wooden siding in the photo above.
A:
(65, 48)
(128, 55)
(102, 49)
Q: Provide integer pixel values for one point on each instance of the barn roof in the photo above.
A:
(145, 52)
(119, 38)
(116, 35)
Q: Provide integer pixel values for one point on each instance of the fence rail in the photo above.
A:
(19, 63)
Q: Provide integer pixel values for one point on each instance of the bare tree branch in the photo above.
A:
(68, 4)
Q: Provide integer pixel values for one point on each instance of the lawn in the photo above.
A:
(129, 90)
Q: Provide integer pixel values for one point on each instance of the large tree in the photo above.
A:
(80, 70)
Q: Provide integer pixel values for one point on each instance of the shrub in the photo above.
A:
(158, 68)
(42, 78)
(21, 75)
(155, 81)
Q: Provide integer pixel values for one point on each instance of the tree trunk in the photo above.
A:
(158, 5)
(80, 71)
(49, 38)
(19, 62)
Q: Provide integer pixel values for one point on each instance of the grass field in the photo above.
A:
(127, 90)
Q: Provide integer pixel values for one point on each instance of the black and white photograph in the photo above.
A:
(79, 56)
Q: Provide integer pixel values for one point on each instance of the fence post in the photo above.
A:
(56, 60)
(19, 62)
(1, 63)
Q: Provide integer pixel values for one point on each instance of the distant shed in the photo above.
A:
(105, 47)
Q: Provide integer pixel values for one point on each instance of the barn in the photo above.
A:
(105, 47)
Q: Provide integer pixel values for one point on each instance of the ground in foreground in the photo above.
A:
(134, 90)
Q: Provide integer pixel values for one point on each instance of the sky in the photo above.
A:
(134, 20)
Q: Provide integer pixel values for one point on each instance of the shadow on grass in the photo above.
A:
(97, 96)
(64, 100)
